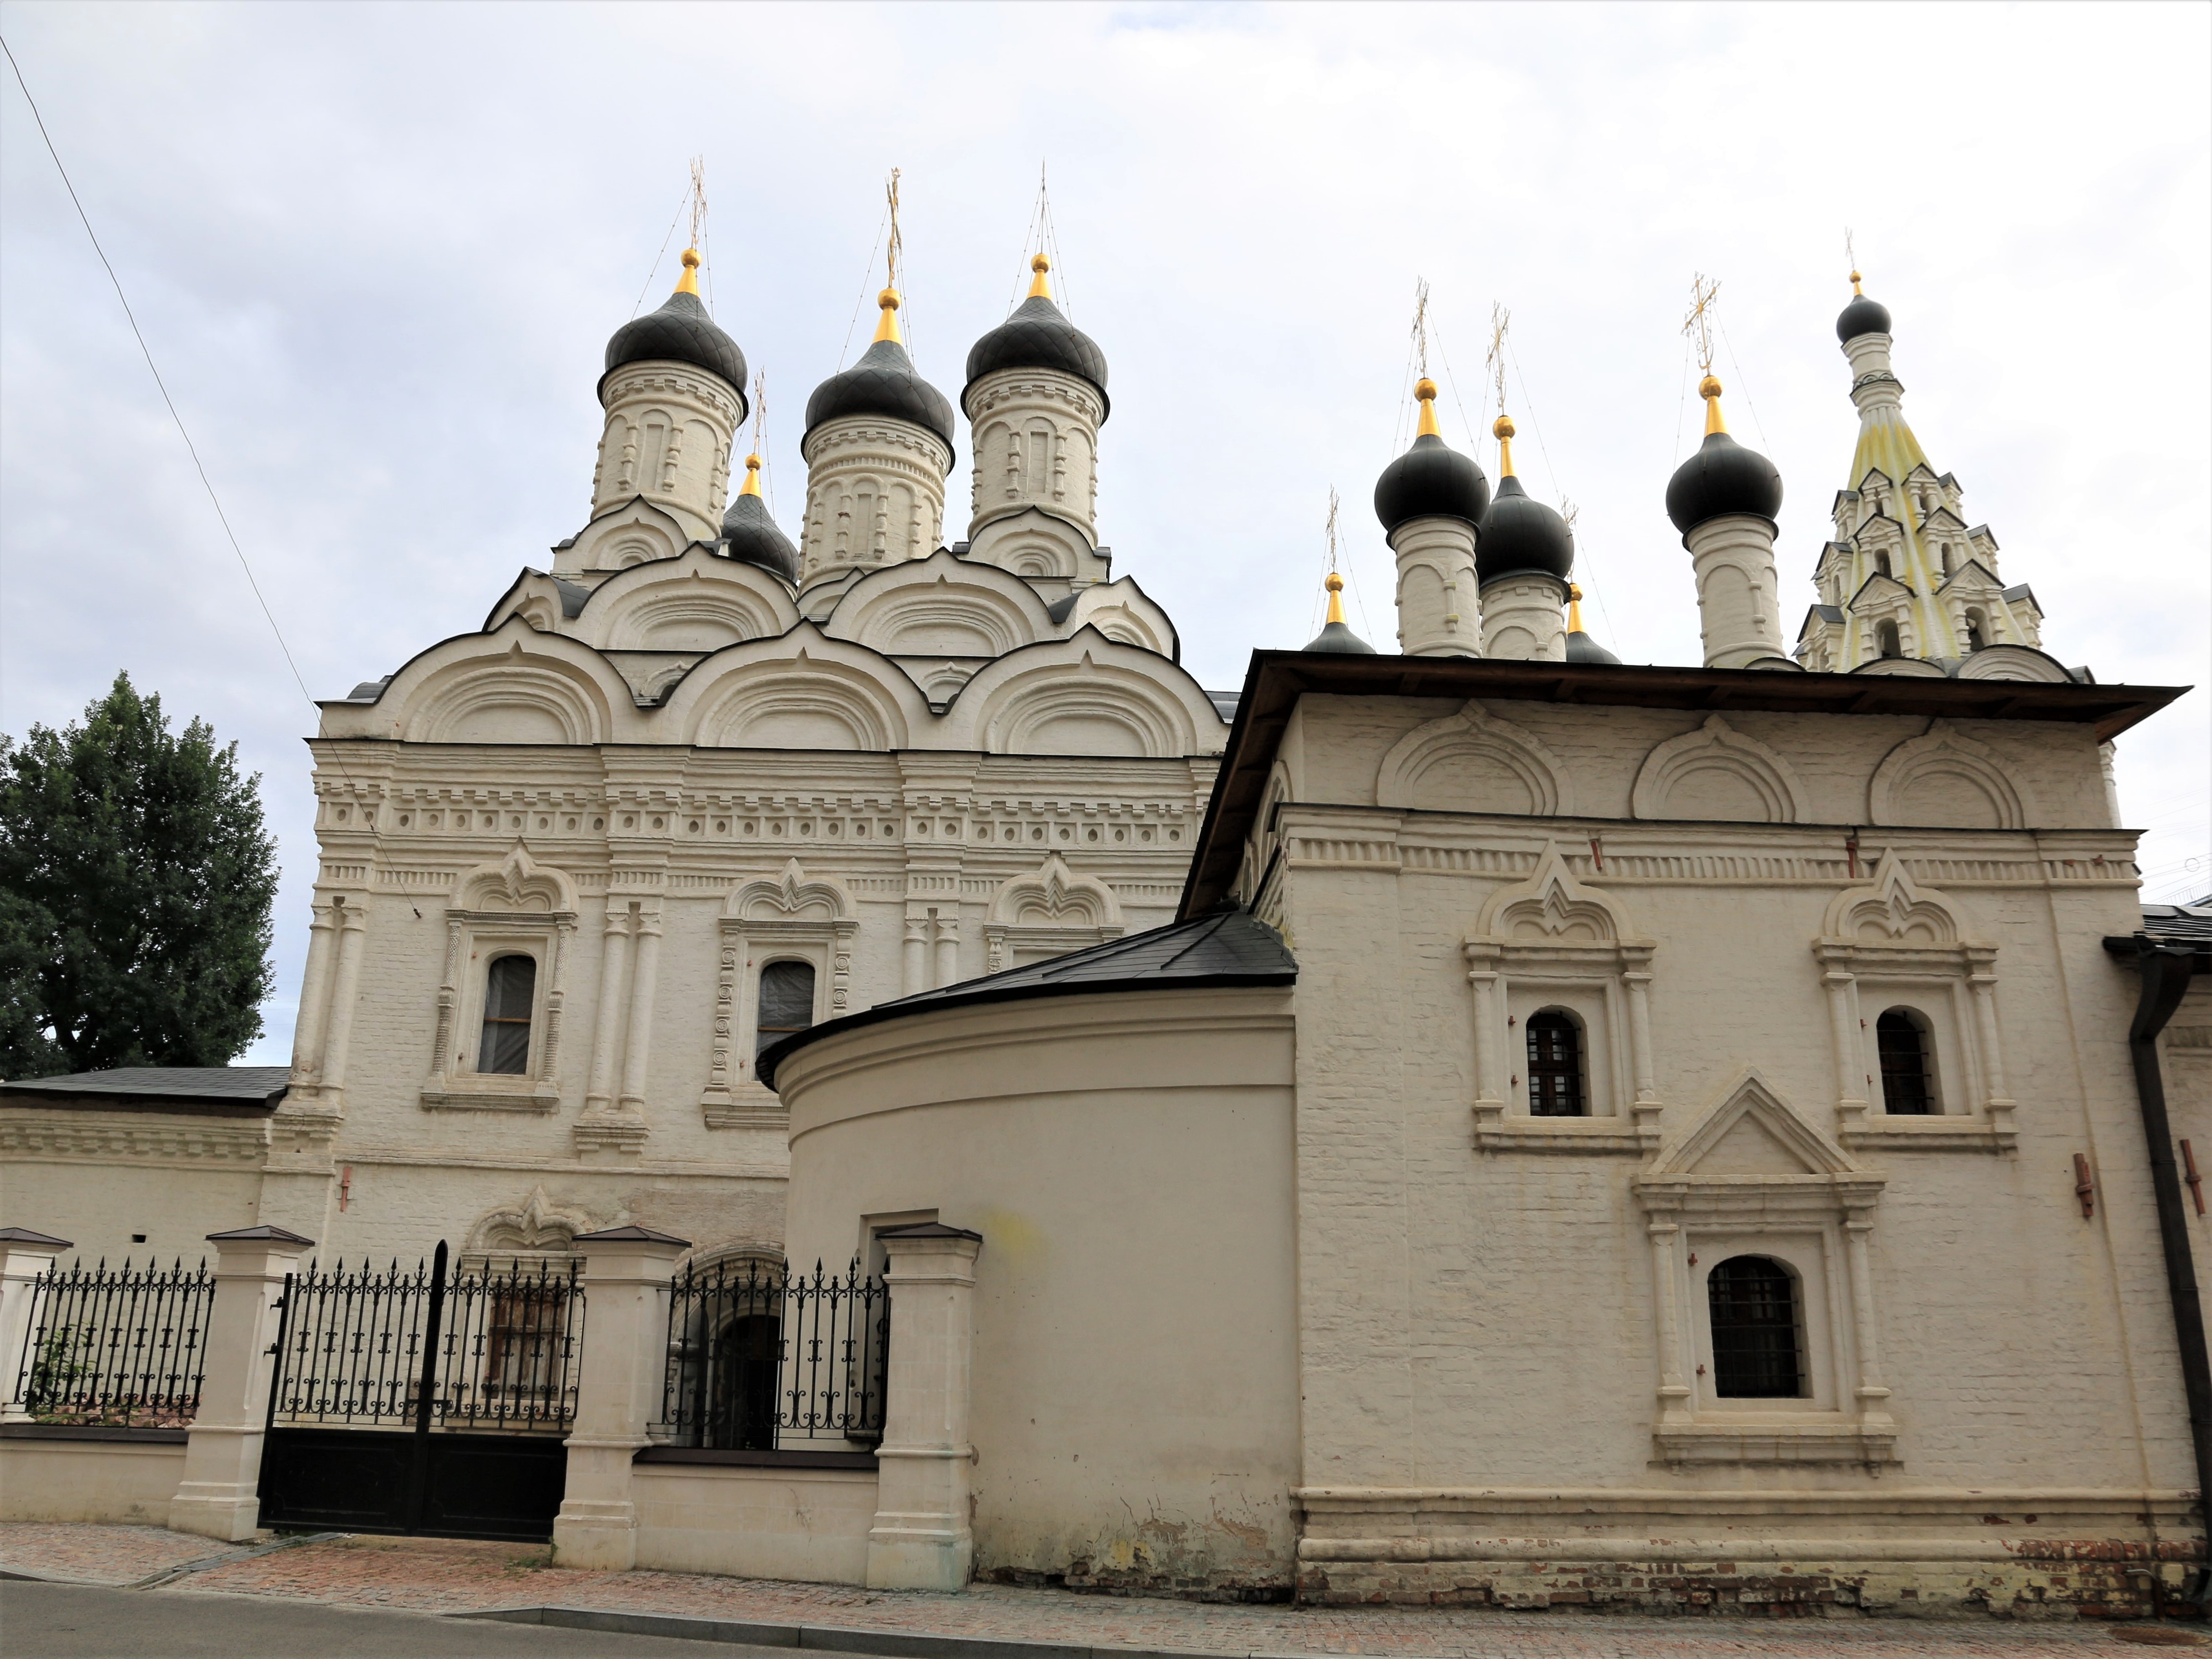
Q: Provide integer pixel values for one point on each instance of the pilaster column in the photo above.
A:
(620, 1377)
(607, 1038)
(1489, 988)
(352, 921)
(219, 1495)
(914, 956)
(923, 1538)
(1983, 982)
(315, 996)
(644, 979)
(1664, 1233)
(1873, 1397)
(1635, 979)
(1840, 984)
(25, 1256)
(948, 948)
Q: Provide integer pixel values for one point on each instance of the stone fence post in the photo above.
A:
(219, 1495)
(626, 1272)
(24, 1256)
(922, 1538)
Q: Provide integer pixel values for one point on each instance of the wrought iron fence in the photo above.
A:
(488, 1346)
(120, 1346)
(758, 1355)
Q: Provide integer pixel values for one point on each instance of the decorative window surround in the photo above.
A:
(1549, 930)
(1754, 1177)
(790, 918)
(516, 908)
(540, 1232)
(1904, 937)
(1048, 913)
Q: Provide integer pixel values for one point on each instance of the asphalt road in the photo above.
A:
(71, 1621)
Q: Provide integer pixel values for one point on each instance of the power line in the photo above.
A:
(190, 446)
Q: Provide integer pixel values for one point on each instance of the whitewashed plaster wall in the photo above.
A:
(1480, 1311)
(1128, 1158)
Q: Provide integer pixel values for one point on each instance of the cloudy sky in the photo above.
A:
(378, 249)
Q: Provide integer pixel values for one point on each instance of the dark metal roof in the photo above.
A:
(1038, 336)
(884, 384)
(1431, 480)
(1228, 947)
(1862, 316)
(1277, 679)
(1722, 478)
(681, 331)
(750, 537)
(228, 1090)
(1519, 532)
(1338, 637)
(1581, 648)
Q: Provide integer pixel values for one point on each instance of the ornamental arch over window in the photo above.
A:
(510, 928)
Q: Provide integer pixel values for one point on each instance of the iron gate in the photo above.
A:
(432, 1402)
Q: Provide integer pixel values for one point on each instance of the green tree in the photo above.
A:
(136, 879)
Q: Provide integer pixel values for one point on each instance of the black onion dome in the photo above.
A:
(750, 537)
(1037, 336)
(1520, 533)
(1722, 478)
(1581, 648)
(681, 331)
(1431, 480)
(1862, 316)
(882, 384)
(1337, 638)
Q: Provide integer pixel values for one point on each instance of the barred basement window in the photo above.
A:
(510, 987)
(1555, 1066)
(1907, 1082)
(787, 1001)
(1757, 1353)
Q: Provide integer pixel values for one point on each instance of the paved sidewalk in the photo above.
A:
(445, 1575)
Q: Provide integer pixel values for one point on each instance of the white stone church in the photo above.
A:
(1473, 1123)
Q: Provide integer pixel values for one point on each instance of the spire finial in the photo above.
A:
(887, 326)
(689, 282)
(1574, 607)
(753, 484)
(1335, 583)
(1502, 429)
(1040, 285)
(1851, 259)
(1698, 324)
(1425, 390)
(1710, 389)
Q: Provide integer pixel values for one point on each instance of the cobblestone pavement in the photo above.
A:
(101, 1555)
(444, 1575)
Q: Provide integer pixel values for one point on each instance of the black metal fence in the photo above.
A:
(493, 1346)
(119, 1346)
(757, 1354)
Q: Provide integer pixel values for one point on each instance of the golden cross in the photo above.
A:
(1332, 527)
(760, 406)
(1421, 325)
(892, 259)
(1704, 291)
(1500, 320)
(698, 197)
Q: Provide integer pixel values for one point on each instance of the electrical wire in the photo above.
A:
(191, 449)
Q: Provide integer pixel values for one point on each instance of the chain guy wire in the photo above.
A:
(674, 220)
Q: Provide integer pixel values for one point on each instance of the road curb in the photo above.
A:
(905, 1644)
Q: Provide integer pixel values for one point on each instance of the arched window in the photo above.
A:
(1881, 562)
(510, 988)
(1908, 1080)
(1886, 640)
(1757, 1351)
(1977, 635)
(1555, 1064)
(787, 1001)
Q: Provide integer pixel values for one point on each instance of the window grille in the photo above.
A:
(510, 988)
(787, 1001)
(1555, 1066)
(1756, 1352)
(1902, 1043)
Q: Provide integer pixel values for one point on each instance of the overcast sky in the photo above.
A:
(378, 250)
